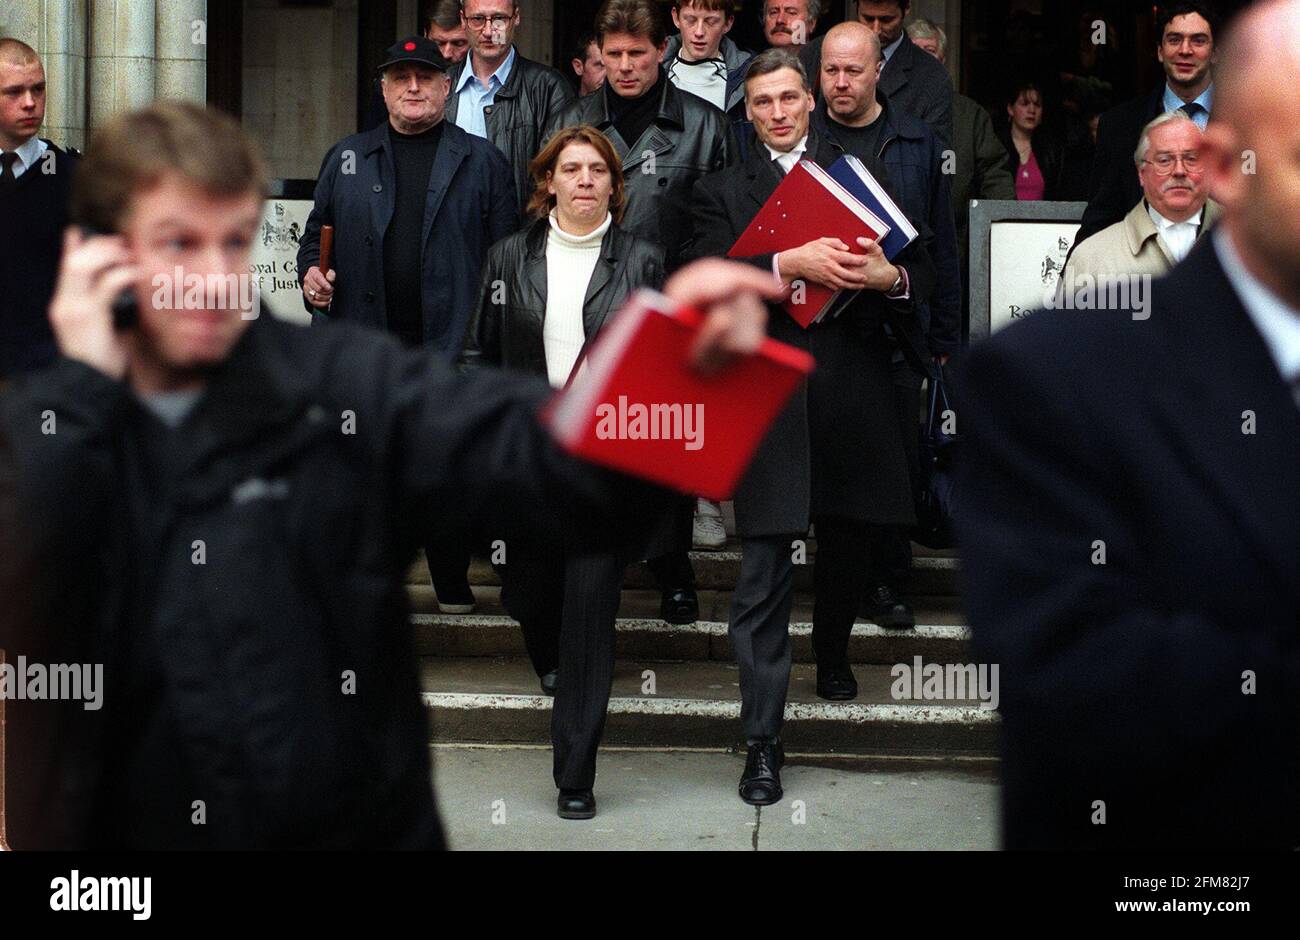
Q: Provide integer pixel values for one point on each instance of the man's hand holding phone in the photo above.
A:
(94, 272)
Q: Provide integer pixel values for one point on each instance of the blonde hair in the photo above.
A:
(134, 150)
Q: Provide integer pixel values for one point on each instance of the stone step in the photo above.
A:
(643, 603)
(697, 704)
(933, 573)
(651, 639)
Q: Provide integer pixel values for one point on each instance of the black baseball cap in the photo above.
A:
(415, 49)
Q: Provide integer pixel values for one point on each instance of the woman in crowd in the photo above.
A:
(1038, 159)
(546, 292)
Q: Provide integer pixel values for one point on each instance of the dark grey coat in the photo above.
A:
(469, 205)
(913, 79)
(836, 449)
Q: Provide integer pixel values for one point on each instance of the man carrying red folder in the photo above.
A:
(835, 454)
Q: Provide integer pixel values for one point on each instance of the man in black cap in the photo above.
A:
(415, 204)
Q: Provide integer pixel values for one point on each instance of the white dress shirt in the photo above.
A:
(788, 159)
(1277, 322)
(1177, 236)
(28, 154)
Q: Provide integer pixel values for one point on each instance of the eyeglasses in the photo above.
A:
(1164, 162)
(498, 20)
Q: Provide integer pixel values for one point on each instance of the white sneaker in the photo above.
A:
(708, 532)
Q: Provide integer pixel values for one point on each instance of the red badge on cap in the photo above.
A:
(410, 46)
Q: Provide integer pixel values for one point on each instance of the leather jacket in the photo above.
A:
(531, 96)
(687, 139)
(508, 334)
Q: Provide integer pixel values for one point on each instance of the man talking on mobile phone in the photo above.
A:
(221, 510)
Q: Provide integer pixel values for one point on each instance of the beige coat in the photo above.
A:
(1131, 246)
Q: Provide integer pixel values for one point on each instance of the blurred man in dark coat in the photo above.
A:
(835, 454)
(219, 510)
(1129, 505)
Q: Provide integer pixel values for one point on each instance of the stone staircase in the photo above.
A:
(677, 686)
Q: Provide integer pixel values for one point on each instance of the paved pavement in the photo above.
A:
(502, 798)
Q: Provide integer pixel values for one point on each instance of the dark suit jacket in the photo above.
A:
(913, 79)
(836, 448)
(1123, 681)
(1113, 188)
(468, 206)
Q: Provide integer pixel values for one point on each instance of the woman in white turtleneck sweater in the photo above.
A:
(546, 291)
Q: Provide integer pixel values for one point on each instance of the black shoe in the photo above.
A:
(760, 784)
(836, 683)
(888, 609)
(680, 606)
(455, 598)
(548, 682)
(576, 804)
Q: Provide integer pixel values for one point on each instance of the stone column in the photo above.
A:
(181, 46)
(120, 71)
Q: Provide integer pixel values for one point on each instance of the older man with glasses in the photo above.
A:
(499, 95)
(1166, 222)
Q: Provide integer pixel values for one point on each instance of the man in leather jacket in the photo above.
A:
(675, 137)
(498, 94)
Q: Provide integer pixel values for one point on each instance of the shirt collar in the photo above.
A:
(796, 150)
(890, 49)
(499, 76)
(29, 152)
(1205, 99)
(1278, 324)
(1162, 223)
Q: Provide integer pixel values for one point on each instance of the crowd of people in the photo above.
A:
(494, 220)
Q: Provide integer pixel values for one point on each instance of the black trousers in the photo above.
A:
(844, 549)
(890, 550)
(448, 558)
(759, 626)
(567, 606)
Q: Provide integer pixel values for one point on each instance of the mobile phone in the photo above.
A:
(125, 312)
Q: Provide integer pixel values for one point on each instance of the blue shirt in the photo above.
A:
(1202, 116)
(473, 97)
(889, 50)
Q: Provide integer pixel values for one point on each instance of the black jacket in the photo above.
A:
(519, 113)
(1050, 153)
(509, 333)
(1125, 681)
(913, 157)
(33, 215)
(836, 448)
(1114, 188)
(469, 204)
(687, 139)
(313, 465)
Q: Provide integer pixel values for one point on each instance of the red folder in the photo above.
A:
(637, 406)
(809, 205)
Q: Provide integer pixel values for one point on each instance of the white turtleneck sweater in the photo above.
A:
(570, 259)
